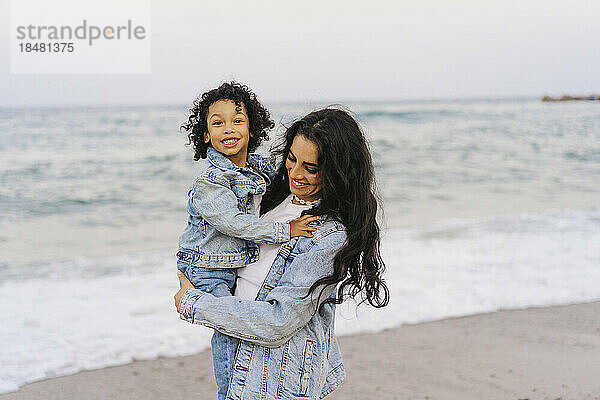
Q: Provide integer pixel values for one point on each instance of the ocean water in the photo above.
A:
(488, 205)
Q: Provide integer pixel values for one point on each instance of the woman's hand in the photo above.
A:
(185, 285)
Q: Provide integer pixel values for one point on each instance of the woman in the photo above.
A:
(283, 346)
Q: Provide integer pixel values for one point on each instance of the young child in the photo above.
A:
(225, 125)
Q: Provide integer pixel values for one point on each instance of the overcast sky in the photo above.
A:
(342, 51)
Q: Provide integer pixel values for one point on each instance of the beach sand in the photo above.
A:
(539, 353)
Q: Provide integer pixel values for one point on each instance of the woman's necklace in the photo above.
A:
(304, 202)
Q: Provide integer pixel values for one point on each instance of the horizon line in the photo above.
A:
(275, 102)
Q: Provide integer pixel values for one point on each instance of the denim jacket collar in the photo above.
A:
(220, 161)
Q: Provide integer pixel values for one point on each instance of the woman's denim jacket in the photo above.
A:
(285, 348)
(222, 228)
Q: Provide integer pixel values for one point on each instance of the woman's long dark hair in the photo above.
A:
(348, 196)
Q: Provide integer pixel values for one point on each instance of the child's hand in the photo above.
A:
(299, 226)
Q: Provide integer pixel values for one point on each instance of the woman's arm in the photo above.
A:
(285, 310)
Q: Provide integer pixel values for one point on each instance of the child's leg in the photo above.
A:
(218, 282)
(223, 352)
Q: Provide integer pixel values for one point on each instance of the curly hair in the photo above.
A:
(348, 196)
(196, 125)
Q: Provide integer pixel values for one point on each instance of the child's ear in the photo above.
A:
(206, 137)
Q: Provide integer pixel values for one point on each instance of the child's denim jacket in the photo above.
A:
(284, 348)
(222, 228)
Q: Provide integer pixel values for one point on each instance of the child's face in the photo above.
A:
(228, 130)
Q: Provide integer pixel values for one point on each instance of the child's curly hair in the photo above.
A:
(259, 118)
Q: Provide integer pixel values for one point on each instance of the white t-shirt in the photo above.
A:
(256, 199)
(251, 277)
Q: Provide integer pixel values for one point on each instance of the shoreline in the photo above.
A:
(535, 353)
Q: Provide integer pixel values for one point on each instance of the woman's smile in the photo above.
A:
(298, 184)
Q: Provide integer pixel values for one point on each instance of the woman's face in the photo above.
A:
(303, 169)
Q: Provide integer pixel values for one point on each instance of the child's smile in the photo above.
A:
(230, 142)
(229, 130)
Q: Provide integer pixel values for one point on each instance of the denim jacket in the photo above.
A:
(285, 348)
(222, 229)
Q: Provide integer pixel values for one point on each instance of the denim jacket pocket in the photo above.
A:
(297, 370)
(244, 187)
(307, 367)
